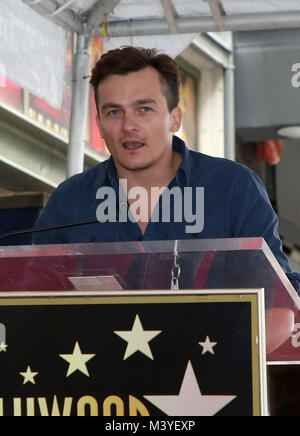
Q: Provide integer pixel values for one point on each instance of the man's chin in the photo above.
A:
(137, 166)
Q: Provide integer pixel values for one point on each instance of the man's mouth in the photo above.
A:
(132, 145)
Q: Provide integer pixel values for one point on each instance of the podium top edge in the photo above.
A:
(257, 250)
(134, 247)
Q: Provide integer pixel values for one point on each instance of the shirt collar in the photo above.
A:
(112, 174)
(182, 176)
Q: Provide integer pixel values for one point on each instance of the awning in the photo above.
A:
(169, 24)
(144, 17)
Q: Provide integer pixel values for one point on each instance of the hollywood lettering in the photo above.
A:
(87, 405)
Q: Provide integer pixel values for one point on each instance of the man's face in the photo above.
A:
(135, 122)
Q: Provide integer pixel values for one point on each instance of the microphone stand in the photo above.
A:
(48, 228)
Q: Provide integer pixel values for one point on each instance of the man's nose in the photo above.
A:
(130, 122)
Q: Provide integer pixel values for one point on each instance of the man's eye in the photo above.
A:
(114, 112)
(145, 109)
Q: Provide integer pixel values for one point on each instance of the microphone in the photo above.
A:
(45, 229)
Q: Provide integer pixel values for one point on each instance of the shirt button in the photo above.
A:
(123, 206)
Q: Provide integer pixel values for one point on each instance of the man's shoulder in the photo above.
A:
(218, 166)
(90, 177)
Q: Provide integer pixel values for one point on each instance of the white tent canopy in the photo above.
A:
(123, 22)
(144, 17)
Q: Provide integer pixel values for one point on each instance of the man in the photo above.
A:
(153, 187)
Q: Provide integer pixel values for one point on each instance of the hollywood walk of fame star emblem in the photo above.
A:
(137, 356)
(208, 346)
(77, 361)
(28, 376)
(138, 339)
(190, 401)
(3, 347)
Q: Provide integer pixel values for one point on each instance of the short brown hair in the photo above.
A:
(132, 59)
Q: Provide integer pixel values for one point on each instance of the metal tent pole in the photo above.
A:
(49, 9)
(81, 75)
(247, 22)
(229, 112)
(80, 94)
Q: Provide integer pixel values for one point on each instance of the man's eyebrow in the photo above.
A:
(144, 101)
(138, 102)
(109, 105)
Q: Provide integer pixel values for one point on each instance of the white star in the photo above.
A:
(28, 376)
(138, 339)
(208, 346)
(3, 347)
(77, 361)
(190, 401)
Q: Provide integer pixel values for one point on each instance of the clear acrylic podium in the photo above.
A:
(228, 264)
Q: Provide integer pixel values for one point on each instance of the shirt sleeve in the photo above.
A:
(51, 216)
(254, 216)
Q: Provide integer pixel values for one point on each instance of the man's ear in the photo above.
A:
(176, 119)
(99, 125)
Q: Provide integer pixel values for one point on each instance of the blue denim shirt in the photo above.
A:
(236, 205)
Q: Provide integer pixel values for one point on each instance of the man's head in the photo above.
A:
(131, 59)
(136, 92)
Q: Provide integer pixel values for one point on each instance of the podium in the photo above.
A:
(156, 328)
